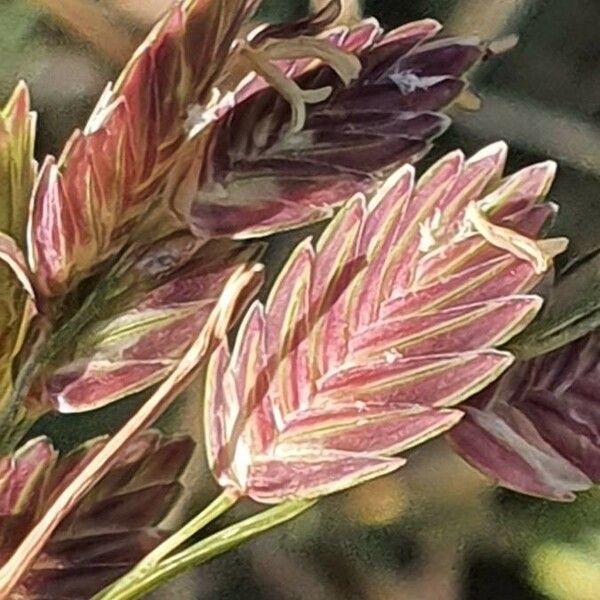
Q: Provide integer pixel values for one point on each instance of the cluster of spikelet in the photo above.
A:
(139, 240)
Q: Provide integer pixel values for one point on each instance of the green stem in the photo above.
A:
(207, 549)
(214, 510)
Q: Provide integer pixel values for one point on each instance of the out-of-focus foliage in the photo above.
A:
(17, 39)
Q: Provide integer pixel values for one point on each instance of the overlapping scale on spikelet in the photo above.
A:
(369, 339)
(537, 429)
(141, 331)
(109, 174)
(111, 529)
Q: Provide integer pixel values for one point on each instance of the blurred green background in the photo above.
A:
(437, 530)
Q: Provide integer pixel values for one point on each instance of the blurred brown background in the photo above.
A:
(437, 530)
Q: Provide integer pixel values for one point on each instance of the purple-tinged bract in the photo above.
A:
(537, 429)
(263, 174)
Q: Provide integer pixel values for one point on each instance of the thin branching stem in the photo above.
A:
(209, 548)
(152, 560)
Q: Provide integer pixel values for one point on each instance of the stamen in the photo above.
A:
(347, 66)
(427, 231)
(503, 44)
(288, 88)
(350, 10)
(553, 246)
(538, 253)
(468, 100)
